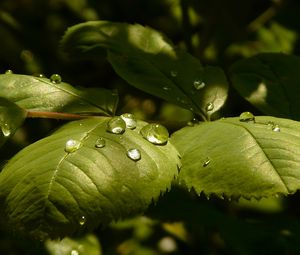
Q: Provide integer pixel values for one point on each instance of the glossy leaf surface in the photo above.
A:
(48, 189)
(235, 158)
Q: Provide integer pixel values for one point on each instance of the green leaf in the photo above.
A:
(11, 118)
(87, 245)
(148, 61)
(40, 94)
(235, 158)
(70, 181)
(270, 82)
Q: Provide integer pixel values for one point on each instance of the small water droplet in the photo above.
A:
(100, 142)
(82, 220)
(74, 252)
(55, 78)
(41, 75)
(134, 154)
(193, 122)
(198, 84)
(116, 125)
(275, 128)
(155, 133)
(130, 120)
(72, 145)
(247, 117)
(209, 107)
(9, 71)
(6, 130)
(173, 73)
(166, 88)
(206, 162)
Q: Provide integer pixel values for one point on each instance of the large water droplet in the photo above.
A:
(155, 133)
(100, 142)
(5, 130)
(206, 162)
(209, 107)
(72, 145)
(275, 128)
(198, 84)
(9, 71)
(116, 125)
(55, 78)
(134, 154)
(130, 120)
(247, 117)
(173, 73)
(74, 252)
(82, 220)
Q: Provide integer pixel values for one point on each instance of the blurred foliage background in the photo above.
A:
(218, 32)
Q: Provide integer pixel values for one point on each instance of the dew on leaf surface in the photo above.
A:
(116, 125)
(129, 119)
(155, 133)
(55, 78)
(72, 145)
(247, 117)
(100, 142)
(134, 154)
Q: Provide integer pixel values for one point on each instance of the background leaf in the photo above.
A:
(234, 158)
(270, 82)
(47, 191)
(148, 61)
(11, 118)
(40, 94)
(87, 245)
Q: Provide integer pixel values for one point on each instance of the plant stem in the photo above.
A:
(58, 115)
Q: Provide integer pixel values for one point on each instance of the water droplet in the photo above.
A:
(173, 73)
(74, 252)
(209, 107)
(72, 145)
(116, 125)
(82, 220)
(155, 133)
(198, 84)
(100, 143)
(130, 120)
(166, 88)
(40, 75)
(55, 78)
(193, 122)
(275, 128)
(134, 154)
(206, 162)
(5, 130)
(247, 117)
(9, 71)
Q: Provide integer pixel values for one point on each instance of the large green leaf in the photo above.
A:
(41, 94)
(148, 61)
(11, 118)
(239, 158)
(270, 81)
(71, 180)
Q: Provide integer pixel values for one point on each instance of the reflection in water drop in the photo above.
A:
(116, 125)
(198, 84)
(82, 220)
(209, 107)
(55, 78)
(100, 142)
(155, 133)
(206, 162)
(275, 128)
(72, 145)
(134, 154)
(247, 117)
(9, 71)
(5, 130)
(130, 120)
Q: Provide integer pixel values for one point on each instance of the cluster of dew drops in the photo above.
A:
(154, 133)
